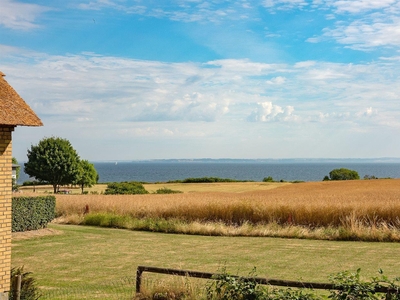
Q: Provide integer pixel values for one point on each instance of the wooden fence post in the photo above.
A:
(139, 273)
(18, 287)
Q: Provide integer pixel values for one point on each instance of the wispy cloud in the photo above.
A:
(284, 4)
(20, 16)
(180, 11)
(367, 35)
(97, 89)
(357, 6)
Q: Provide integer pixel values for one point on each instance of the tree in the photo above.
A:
(15, 162)
(87, 176)
(342, 174)
(18, 169)
(54, 161)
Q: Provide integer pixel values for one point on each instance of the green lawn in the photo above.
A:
(89, 257)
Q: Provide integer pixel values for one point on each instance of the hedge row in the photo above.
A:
(32, 213)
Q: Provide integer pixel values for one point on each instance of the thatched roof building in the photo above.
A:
(13, 109)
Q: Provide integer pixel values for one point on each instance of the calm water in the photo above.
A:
(164, 171)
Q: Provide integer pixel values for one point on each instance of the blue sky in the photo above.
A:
(153, 79)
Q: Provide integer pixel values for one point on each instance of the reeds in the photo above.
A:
(371, 208)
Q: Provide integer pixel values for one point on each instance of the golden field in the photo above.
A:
(357, 209)
(310, 204)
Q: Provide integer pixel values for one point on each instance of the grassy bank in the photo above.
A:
(348, 210)
(81, 262)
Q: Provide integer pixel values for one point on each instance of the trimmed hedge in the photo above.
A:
(32, 213)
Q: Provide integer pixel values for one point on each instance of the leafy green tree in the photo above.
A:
(15, 162)
(54, 161)
(87, 176)
(343, 174)
(14, 180)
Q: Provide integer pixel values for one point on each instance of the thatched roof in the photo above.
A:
(13, 109)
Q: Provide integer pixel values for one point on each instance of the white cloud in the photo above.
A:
(368, 112)
(277, 80)
(357, 6)
(362, 35)
(122, 93)
(20, 16)
(187, 11)
(284, 4)
(267, 112)
(191, 107)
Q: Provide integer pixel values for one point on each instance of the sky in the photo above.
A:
(162, 79)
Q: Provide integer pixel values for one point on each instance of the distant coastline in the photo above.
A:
(262, 160)
(163, 170)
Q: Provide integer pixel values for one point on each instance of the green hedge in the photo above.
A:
(32, 213)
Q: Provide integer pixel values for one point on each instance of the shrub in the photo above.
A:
(206, 180)
(32, 183)
(167, 191)
(125, 188)
(369, 177)
(228, 287)
(268, 179)
(342, 174)
(29, 290)
(32, 213)
(350, 286)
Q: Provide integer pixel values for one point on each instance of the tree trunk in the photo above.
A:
(55, 188)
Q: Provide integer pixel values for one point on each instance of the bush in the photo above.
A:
(347, 286)
(167, 191)
(32, 213)
(342, 174)
(32, 183)
(125, 188)
(268, 179)
(29, 290)
(206, 180)
(228, 287)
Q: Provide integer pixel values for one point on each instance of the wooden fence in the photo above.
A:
(275, 282)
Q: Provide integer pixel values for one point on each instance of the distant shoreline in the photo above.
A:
(260, 160)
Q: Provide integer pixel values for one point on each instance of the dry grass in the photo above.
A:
(364, 206)
(234, 187)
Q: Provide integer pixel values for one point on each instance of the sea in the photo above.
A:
(254, 170)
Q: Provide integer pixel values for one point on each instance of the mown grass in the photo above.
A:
(81, 260)
(348, 210)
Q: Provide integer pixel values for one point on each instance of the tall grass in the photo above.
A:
(336, 210)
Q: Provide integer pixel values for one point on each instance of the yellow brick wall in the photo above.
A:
(5, 206)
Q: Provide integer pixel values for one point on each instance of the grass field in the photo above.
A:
(82, 260)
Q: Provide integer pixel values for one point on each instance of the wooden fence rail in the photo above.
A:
(275, 282)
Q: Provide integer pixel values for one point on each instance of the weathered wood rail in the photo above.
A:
(275, 282)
